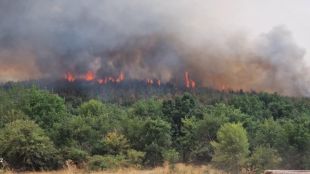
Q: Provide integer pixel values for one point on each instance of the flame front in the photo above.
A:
(92, 76)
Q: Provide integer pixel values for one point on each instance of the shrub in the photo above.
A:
(171, 156)
(78, 156)
(115, 143)
(25, 146)
(264, 158)
(98, 162)
(135, 157)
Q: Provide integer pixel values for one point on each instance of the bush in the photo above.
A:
(264, 158)
(25, 146)
(78, 156)
(10, 116)
(115, 143)
(92, 108)
(171, 156)
(98, 162)
(135, 157)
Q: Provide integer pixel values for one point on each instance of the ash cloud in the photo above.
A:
(144, 39)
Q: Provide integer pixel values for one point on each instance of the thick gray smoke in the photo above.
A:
(143, 39)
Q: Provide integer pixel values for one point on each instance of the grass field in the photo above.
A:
(179, 169)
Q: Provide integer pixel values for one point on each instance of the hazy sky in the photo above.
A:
(253, 17)
(46, 38)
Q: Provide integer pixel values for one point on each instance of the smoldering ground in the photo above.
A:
(144, 39)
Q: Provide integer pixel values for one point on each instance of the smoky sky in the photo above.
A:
(144, 39)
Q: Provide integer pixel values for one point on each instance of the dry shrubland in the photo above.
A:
(166, 169)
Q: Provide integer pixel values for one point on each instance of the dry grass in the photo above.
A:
(179, 169)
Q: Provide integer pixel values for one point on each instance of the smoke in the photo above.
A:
(144, 39)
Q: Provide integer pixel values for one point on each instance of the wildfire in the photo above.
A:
(69, 77)
(91, 76)
(189, 83)
(151, 82)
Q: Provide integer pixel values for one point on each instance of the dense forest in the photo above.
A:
(233, 131)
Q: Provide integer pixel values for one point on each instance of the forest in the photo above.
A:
(232, 131)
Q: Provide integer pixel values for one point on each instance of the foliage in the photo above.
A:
(298, 147)
(138, 130)
(92, 108)
(189, 141)
(115, 143)
(24, 145)
(251, 105)
(155, 138)
(43, 107)
(135, 157)
(98, 162)
(180, 108)
(78, 156)
(270, 133)
(172, 156)
(232, 148)
(10, 116)
(147, 108)
(264, 158)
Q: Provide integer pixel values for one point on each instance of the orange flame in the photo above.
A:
(69, 77)
(89, 76)
(193, 84)
(189, 83)
(152, 82)
(186, 80)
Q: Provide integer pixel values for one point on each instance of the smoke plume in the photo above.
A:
(144, 39)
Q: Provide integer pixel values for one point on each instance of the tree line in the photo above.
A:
(40, 130)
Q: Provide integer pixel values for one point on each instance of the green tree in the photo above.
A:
(9, 116)
(24, 145)
(251, 105)
(76, 131)
(188, 142)
(147, 108)
(178, 109)
(43, 107)
(297, 150)
(155, 139)
(270, 133)
(232, 148)
(264, 158)
(115, 143)
(200, 133)
(92, 108)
